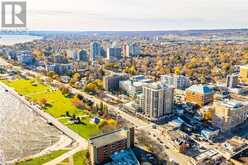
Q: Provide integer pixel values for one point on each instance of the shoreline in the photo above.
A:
(80, 143)
(11, 40)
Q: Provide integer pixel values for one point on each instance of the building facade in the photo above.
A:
(158, 101)
(134, 50)
(229, 114)
(243, 73)
(25, 57)
(59, 59)
(111, 82)
(176, 81)
(83, 56)
(114, 53)
(199, 95)
(125, 50)
(95, 51)
(232, 81)
(131, 50)
(134, 86)
(60, 68)
(103, 146)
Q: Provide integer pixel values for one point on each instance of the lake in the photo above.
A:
(9, 40)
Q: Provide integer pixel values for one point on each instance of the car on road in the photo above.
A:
(166, 146)
(154, 126)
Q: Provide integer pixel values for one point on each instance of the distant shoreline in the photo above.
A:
(10, 40)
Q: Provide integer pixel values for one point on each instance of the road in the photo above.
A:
(168, 148)
(82, 143)
(138, 123)
(3, 62)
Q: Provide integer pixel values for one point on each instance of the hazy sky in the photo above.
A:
(136, 14)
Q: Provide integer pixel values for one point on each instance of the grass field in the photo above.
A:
(79, 158)
(86, 129)
(43, 159)
(58, 104)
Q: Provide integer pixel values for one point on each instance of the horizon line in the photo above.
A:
(152, 30)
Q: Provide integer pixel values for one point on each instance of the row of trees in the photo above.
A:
(94, 86)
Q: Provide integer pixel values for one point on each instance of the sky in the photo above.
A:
(136, 15)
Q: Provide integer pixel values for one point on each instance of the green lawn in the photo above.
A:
(43, 159)
(86, 130)
(80, 158)
(58, 104)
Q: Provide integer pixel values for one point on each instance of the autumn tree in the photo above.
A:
(90, 87)
(76, 77)
(43, 101)
(77, 103)
(64, 90)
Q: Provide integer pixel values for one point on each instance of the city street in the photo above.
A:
(138, 123)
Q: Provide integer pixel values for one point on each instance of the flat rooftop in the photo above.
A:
(156, 85)
(124, 157)
(234, 104)
(205, 155)
(105, 139)
(200, 88)
(244, 66)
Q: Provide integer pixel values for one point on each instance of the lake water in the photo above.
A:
(22, 132)
(14, 39)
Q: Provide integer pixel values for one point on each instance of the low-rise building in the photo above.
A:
(229, 113)
(137, 78)
(232, 81)
(210, 134)
(124, 157)
(206, 157)
(134, 86)
(65, 79)
(59, 68)
(234, 145)
(199, 95)
(179, 140)
(102, 147)
(9, 53)
(25, 57)
(177, 123)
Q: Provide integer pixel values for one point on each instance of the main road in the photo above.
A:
(138, 123)
(82, 144)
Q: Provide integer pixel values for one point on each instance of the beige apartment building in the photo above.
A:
(158, 100)
(243, 73)
(229, 114)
